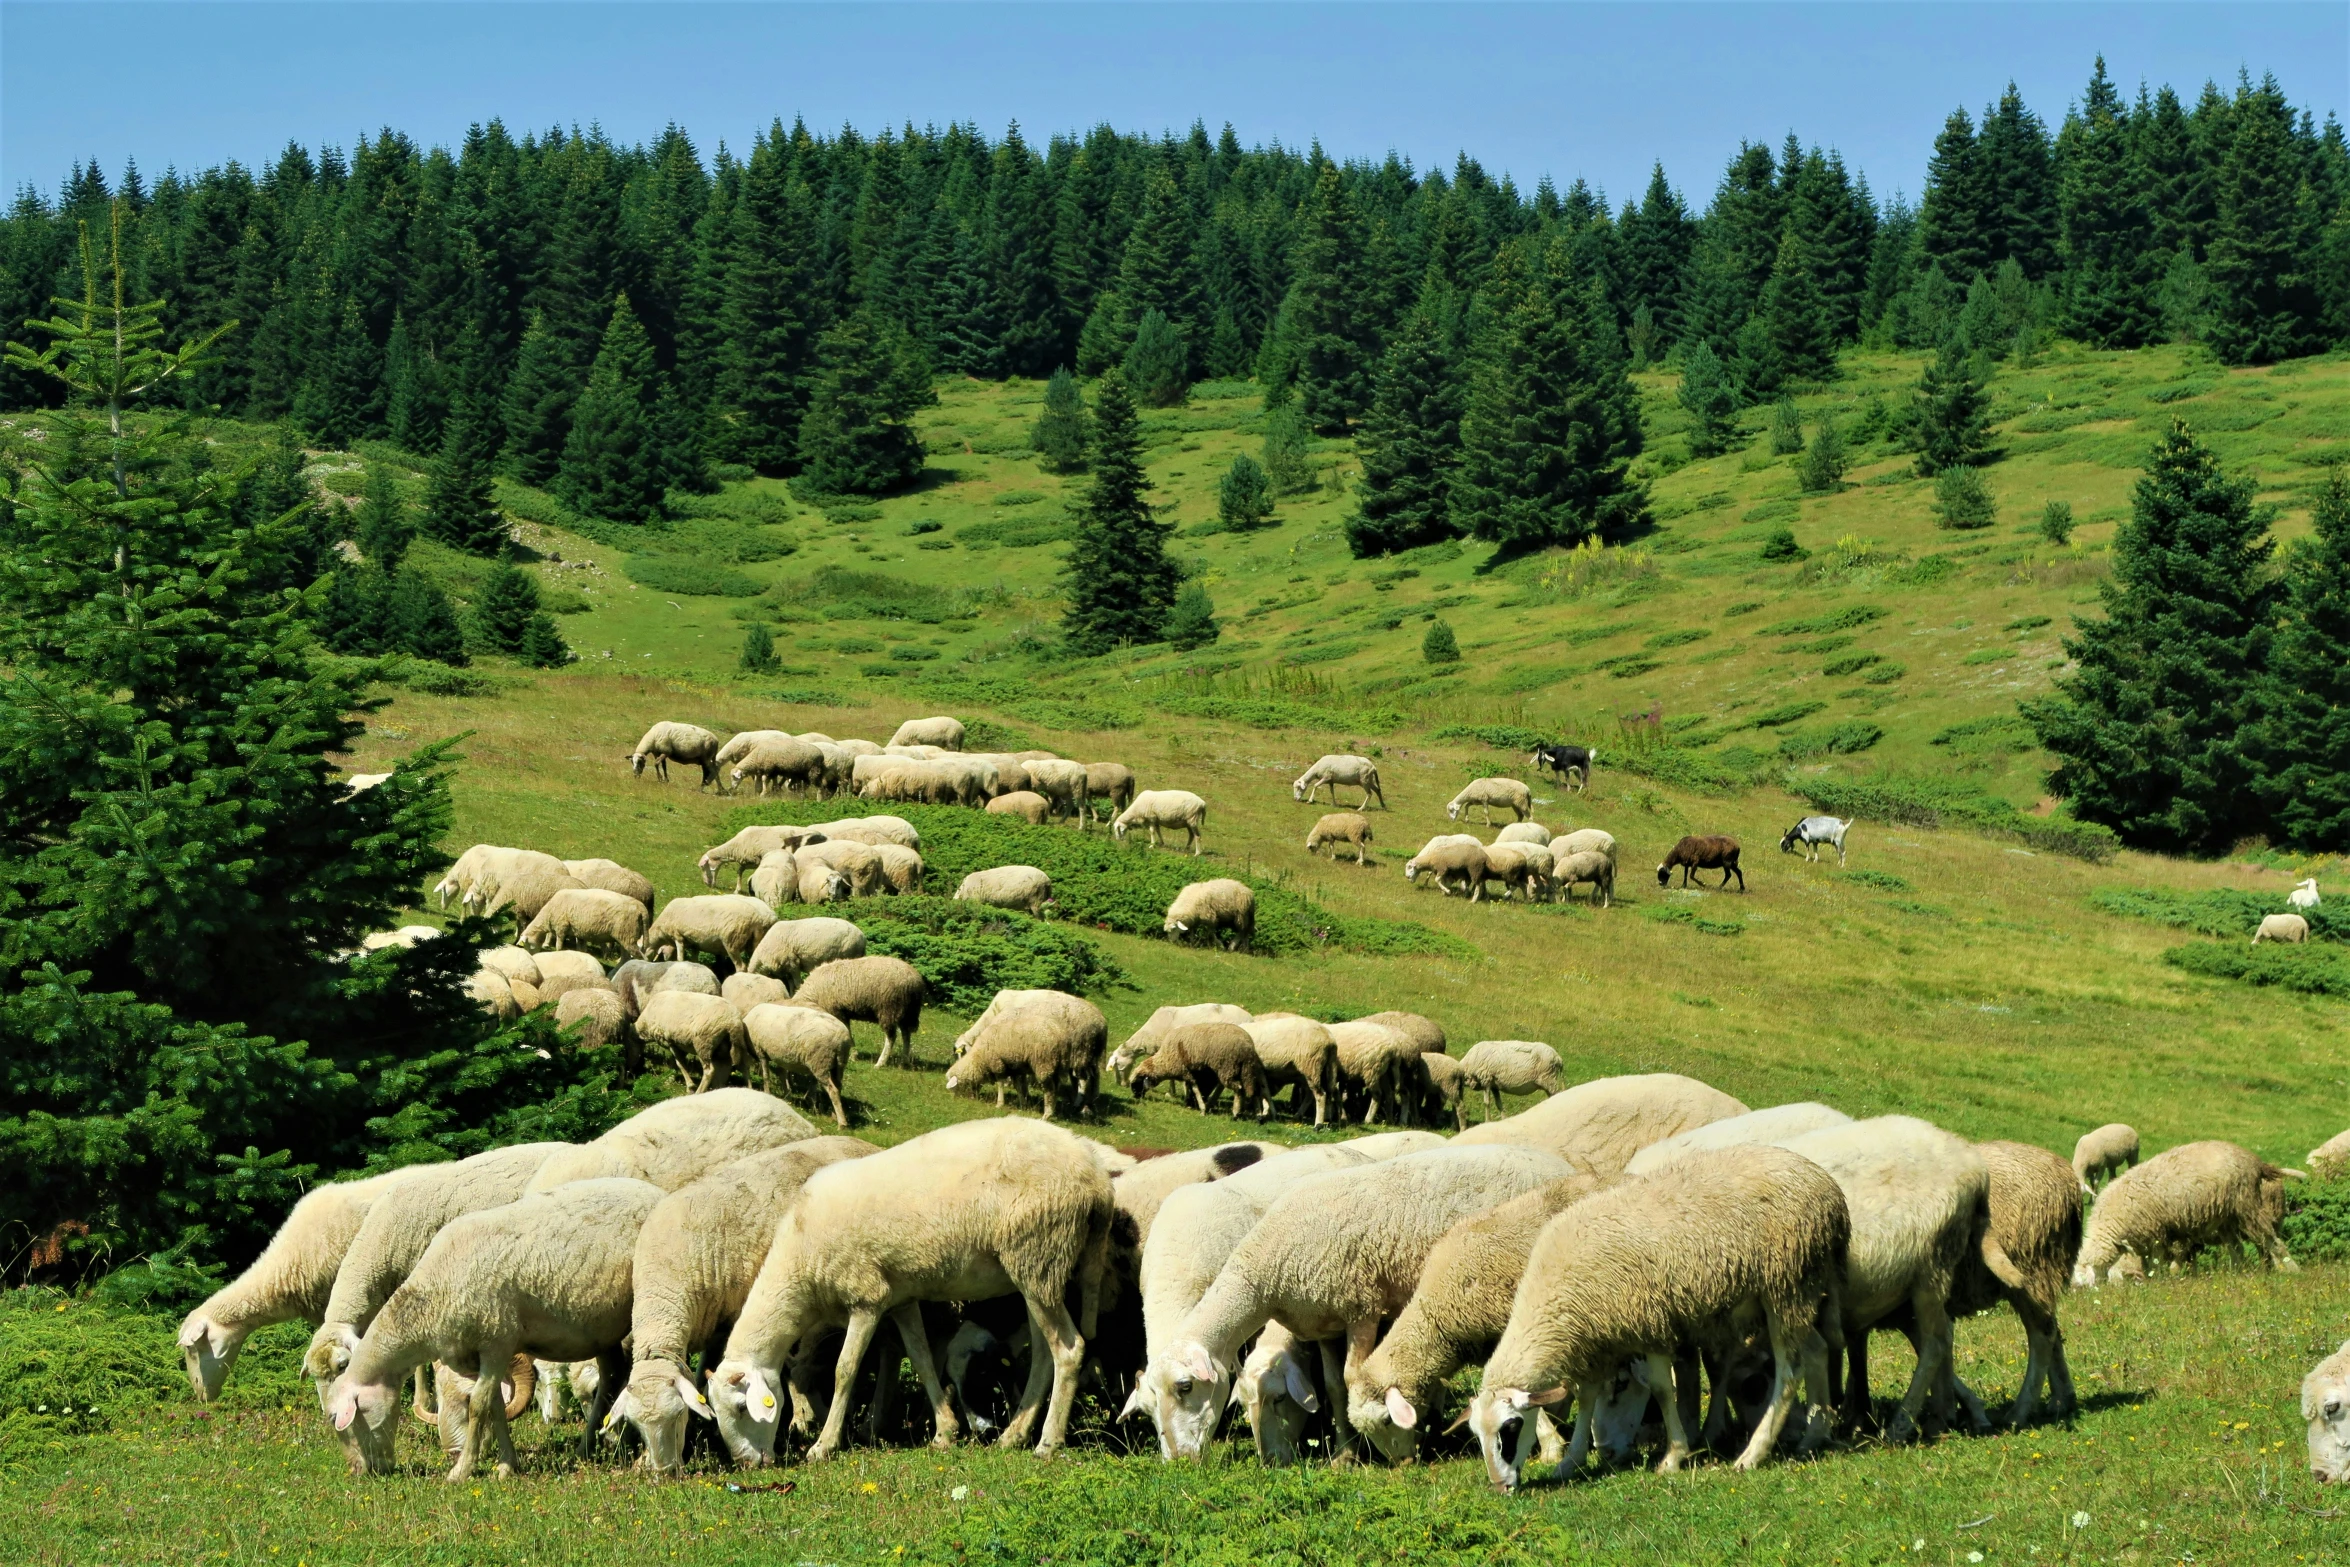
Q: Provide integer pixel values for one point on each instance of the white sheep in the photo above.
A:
(1002, 1002)
(1485, 794)
(589, 919)
(1524, 832)
(1223, 910)
(800, 1039)
(2304, 895)
(1599, 1125)
(2181, 1201)
(2325, 1405)
(861, 863)
(598, 1015)
(2104, 1153)
(696, 1257)
(872, 831)
(671, 742)
(679, 1140)
(1021, 887)
(1455, 867)
(781, 766)
(1300, 1052)
(748, 848)
(1026, 804)
(739, 746)
(945, 733)
(403, 936)
(775, 880)
(884, 991)
(360, 783)
(1752, 1129)
(1585, 867)
(1112, 782)
(745, 990)
(1147, 1039)
(1494, 1067)
(1162, 811)
(1358, 772)
(793, 949)
(1374, 1059)
(1052, 1041)
(820, 883)
(1347, 827)
(547, 1276)
(497, 995)
(1065, 786)
(1516, 867)
(2281, 927)
(969, 1212)
(2327, 1160)
(612, 876)
(703, 1029)
(1691, 1255)
(722, 924)
(529, 890)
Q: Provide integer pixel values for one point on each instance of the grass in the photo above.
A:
(1973, 972)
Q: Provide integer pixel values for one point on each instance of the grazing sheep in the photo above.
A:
(484, 868)
(1755, 1127)
(668, 742)
(2102, 1154)
(1494, 1067)
(2327, 1160)
(886, 992)
(1011, 774)
(679, 1140)
(783, 766)
(1063, 784)
(1215, 909)
(2036, 1223)
(290, 1281)
(1813, 831)
(360, 783)
(722, 924)
(1021, 887)
(775, 881)
(1109, 781)
(999, 1004)
(1164, 810)
(1583, 840)
(820, 883)
(1513, 865)
(1425, 1033)
(496, 995)
(588, 919)
(598, 1015)
(1052, 1042)
(1274, 1389)
(800, 1039)
(741, 744)
(1639, 1271)
(748, 848)
(528, 891)
(1524, 832)
(2325, 1405)
(793, 949)
(746, 990)
(915, 783)
(1026, 804)
(1332, 1256)
(1350, 827)
(902, 871)
(1146, 1039)
(2281, 927)
(2181, 1201)
(861, 863)
(1297, 1052)
(945, 733)
(2303, 896)
(547, 1276)
(1209, 1058)
(561, 971)
(1484, 794)
(1457, 1312)
(1444, 1087)
(1377, 1067)
(1358, 772)
(969, 1212)
(1587, 866)
(638, 979)
(1694, 853)
(1599, 1125)
(1142, 1191)
(872, 831)
(1455, 867)
(706, 1029)
(612, 876)
(696, 1257)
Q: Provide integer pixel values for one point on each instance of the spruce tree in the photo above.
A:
(2152, 731)
(1710, 399)
(1957, 216)
(1822, 470)
(1157, 365)
(502, 612)
(1244, 496)
(1409, 444)
(1440, 646)
(2264, 303)
(1324, 311)
(1953, 413)
(461, 508)
(541, 645)
(1802, 334)
(1963, 501)
(612, 460)
(859, 436)
(535, 412)
(2056, 523)
(1786, 428)
(1286, 447)
(758, 656)
(356, 617)
(1059, 436)
(420, 620)
(2108, 232)
(382, 528)
(2301, 744)
(1120, 583)
(759, 393)
(1192, 622)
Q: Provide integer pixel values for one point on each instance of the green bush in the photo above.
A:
(1015, 533)
(2219, 911)
(688, 577)
(1844, 739)
(1962, 500)
(1851, 666)
(2001, 731)
(1679, 768)
(1884, 881)
(1935, 802)
(2317, 1220)
(69, 1366)
(1834, 620)
(1502, 737)
(1781, 546)
(2308, 970)
(966, 952)
(1439, 646)
(1785, 713)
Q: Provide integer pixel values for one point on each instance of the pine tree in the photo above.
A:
(2264, 304)
(1822, 470)
(2056, 523)
(612, 460)
(1192, 622)
(1802, 336)
(1157, 365)
(1658, 239)
(420, 620)
(859, 436)
(2302, 741)
(382, 527)
(2151, 732)
(1409, 443)
(535, 412)
(1120, 583)
(1963, 501)
(1957, 216)
(969, 336)
(758, 650)
(1244, 496)
(1160, 269)
(759, 394)
(1323, 312)
(1953, 413)
(1286, 449)
(2108, 233)
(1786, 428)
(356, 617)
(542, 645)
(1710, 399)
(502, 611)
(1440, 646)
(1059, 436)
(461, 509)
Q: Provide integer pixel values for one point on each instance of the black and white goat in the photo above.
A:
(1565, 759)
(1813, 831)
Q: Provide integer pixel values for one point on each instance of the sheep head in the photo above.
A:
(1278, 1396)
(744, 1402)
(1502, 1419)
(207, 1350)
(1184, 1392)
(2325, 1404)
(657, 1401)
(365, 1418)
(1389, 1423)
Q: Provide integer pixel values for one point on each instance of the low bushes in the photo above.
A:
(1834, 620)
(966, 952)
(2218, 912)
(1502, 737)
(1936, 803)
(2309, 970)
(690, 577)
(1679, 768)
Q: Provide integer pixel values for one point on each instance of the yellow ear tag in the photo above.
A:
(767, 1401)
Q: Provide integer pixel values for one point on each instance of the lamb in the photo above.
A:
(1588, 866)
(1332, 1255)
(290, 1281)
(886, 992)
(670, 742)
(1064, 785)
(727, 925)
(1443, 1088)
(596, 1013)
(2182, 1200)
(775, 881)
(1598, 1126)
(2325, 1398)
(802, 1039)
(1358, 772)
(1110, 781)
(746, 990)
(1213, 909)
(1054, 1042)
(1026, 804)
(612, 876)
(707, 1029)
(872, 831)
(679, 1140)
(1275, 1391)
(2281, 927)
(1452, 865)
(1494, 1067)
(1692, 1254)
(1373, 1060)
(547, 1276)
(588, 918)
(1021, 887)
(1813, 831)
(782, 766)
(1155, 1029)
(695, 1260)
(1298, 1052)
(1484, 794)
(1755, 1127)
(1348, 827)
(969, 1212)
(793, 949)
(398, 1228)
(2102, 1154)
(2303, 896)
(861, 863)
(1583, 840)
(945, 733)
(1457, 1312)
(1163, 810)
(1695, 853)
(749, 847)
(1209, 1058)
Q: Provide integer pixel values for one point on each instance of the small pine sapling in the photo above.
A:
(1244, 496)
(1439, 646)
(2056, 523)
(1962, 501)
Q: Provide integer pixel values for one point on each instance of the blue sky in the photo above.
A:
(1597, 91)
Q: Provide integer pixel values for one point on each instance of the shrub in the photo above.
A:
(2056, 522)
(1834, 620)
(1844, 739)
(1785, 713)
(1884, 881)
(1781, 546)
(2317, 1220)
(2217, 912)
(1786, 428)
(689, 577)
(1439, 646)
(2307, 970)
(1244, 496)
(1679, 768)
(1502, 737)
(1962, 500)
(1822, 469)
(966, 952)
(1851, 666)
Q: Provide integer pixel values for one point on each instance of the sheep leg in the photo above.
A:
(611, 1377)
(1934, 1334)
(1766, 1431)
(863, 1322)
(1342, 1445)
(799, 1378)
(1660, 1378)
(1050, 1325)
(831, 1082)
(887, 1040)
(1587, 1397)
(1549, 1446)
(908, 1318)
(485, 1404)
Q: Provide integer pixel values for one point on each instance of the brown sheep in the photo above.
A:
(1343, 827)
(1026, 804)
(1708, 852)
(1111, 781)
(1212, 1058)
(886, 992)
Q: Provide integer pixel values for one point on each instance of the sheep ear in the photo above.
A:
(344, 1408)
(693, 1398)
(1301, 1387)
(196, 1327)
(1400, 1410)
(621, 1408)
(1545, 1398)
(758, 1400)
(1194, 1359)
(1133, 1404)
(1458, 1421)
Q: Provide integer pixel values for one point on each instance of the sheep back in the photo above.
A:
(1599, 1125)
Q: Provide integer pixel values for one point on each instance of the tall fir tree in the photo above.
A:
(535, 412)
(1060, 435)
(2152, 731)
(1953, 412)
(1120, 583)
(1409, 444)
(613, 460)
(1157, 364)
(2301, 743)
(1323, 312)
(420, 621)
(1658, 237)
(461, 507)
(503, 609)
(1801, 333)
(2264, 302)
(382, 528)
(2108, 232)
(2019, 180)
(759, 392)
(859, 436)
(1957, 217)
